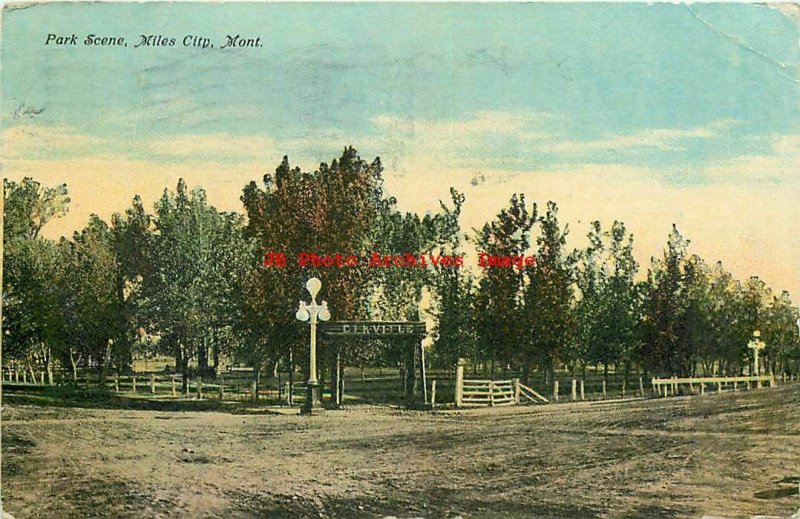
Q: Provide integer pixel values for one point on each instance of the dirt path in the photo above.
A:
(733, 455)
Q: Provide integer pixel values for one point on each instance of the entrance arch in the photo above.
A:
(413, 331)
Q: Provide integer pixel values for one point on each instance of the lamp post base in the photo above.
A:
(313, 403)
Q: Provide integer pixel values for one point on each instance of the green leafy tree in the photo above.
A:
(94, 308)
(664, 351)
(454, 292)
(189, 279)
(132, 239)
(33, 300)
(549, 297)
(607, 315)
(29, 206)
(336, 209)
(32, 295)
(781, 334)
(498, 300)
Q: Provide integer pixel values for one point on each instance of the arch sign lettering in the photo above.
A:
(373, 328)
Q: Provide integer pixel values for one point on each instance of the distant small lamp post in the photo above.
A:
(311, 312)
(756, 344)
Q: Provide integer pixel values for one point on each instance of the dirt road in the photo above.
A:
(733, 455)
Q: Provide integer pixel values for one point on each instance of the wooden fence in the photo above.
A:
(227, 386)
(488, 393)
(673, 386)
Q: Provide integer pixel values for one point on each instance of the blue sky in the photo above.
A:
(593, 105)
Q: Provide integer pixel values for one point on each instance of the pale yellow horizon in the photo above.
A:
(751, 226)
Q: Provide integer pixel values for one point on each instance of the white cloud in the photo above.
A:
(33, 140)
(519, 124)
(214, 145)
(665, 139)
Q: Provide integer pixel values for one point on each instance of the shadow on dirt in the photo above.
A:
(394, 503)
(95, 398)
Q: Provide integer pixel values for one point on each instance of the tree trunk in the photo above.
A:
(106, 364)
(48, 364)
(291, 377)
(336, 374)
(626, 372)
(74, 363)
(256, 379)
(183, 361)
(410, 375)
(215, 350)
(32, 372)
(202, 357)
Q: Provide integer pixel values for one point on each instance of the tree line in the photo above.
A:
(186, 280)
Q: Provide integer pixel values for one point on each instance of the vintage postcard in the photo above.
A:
(400, 260)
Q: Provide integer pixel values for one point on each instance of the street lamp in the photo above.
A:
(311, 312)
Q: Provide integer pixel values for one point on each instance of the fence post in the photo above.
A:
(604, 389)
(253, 388)
(735, 385)
(433, 394)
(460, 382)
(691, 387)
(719, 387)
(199, 388)
(152, 384)
(574, 390)
(116, 382)
(583, 395)
(221, 387)
(555, 391)
(174, 392)
(42, 379)
(641, 388)
(134, 384)
(288, 395)
(623, 388)
(702, 388)
(772, 382)
(516, 390)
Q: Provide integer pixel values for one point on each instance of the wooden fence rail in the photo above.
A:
(488, 393)
(666, 386)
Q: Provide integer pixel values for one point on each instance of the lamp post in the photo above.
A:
(312, 312)
(756, 344)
